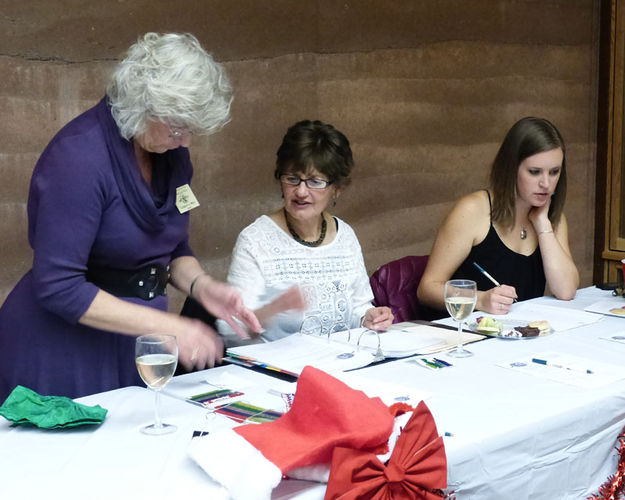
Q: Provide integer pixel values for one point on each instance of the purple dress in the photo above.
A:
(88, 206)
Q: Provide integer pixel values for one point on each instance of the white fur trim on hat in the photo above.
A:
(232, 461)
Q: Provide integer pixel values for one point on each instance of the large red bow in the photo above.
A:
(417, 466)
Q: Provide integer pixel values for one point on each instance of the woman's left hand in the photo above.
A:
(378, 318)
(225, 302)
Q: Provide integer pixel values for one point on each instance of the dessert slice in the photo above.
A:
(528, 331)
(542, 325)
(488, 326)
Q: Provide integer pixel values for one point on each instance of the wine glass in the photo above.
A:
(460, 299)
(156, 357)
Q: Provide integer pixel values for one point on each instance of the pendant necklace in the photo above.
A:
(316, 243)
(523, 233)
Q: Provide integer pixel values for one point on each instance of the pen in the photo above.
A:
(424, 364)
(480, 269)
(431, 363)
(442, 362)
(493, 280)
(556, 365)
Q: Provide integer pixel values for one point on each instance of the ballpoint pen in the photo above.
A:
(424, 364)
(432, 364)
(557, 365)
(442, 362)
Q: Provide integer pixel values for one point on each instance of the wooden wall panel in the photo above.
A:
(424, 90)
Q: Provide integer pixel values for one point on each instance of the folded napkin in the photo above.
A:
(24, 406)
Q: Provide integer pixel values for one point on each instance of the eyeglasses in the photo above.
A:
(312, 183)
(178, 133)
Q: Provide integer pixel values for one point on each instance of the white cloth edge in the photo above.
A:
(224, 454)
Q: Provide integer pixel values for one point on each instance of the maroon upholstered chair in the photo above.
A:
(395, 285)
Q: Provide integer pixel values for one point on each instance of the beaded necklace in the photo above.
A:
(296, 237)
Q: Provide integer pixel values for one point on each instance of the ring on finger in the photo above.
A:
(195, 353)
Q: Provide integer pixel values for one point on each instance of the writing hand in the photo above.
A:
(497, 300)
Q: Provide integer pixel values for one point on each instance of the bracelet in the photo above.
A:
(547, 231)
(194, 282)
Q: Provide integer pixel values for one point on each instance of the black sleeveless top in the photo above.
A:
(524, 273)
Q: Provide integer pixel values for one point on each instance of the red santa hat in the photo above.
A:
(250, 460)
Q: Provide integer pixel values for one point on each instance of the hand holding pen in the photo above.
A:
(497, 300)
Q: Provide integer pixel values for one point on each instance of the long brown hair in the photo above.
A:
(527, 137)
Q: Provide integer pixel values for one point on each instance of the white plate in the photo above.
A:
(508, 330)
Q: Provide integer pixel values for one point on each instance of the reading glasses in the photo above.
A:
(311, 183)
(178, 133)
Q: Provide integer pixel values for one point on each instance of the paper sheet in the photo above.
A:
(573, 369)
(615, 337)
(613, 306)
(560, 318)
(400, 341)
(387, 392)
(297, 351)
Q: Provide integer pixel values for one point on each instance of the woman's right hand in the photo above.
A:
(199, 346)
(497, 300)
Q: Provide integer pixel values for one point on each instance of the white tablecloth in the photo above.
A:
(514, 436)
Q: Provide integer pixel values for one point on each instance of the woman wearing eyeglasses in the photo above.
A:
(300, 261)
(108, 223)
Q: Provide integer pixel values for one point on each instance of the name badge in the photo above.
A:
(185, 199)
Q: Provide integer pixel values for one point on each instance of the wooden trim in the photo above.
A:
(604, 129)
(614, 238)
(609, 216)
(612, 255)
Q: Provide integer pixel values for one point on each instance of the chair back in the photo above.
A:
(395, 285)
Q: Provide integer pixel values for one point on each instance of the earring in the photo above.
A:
(334, 201)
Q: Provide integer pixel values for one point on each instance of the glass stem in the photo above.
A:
(157, 416)
(459, 347)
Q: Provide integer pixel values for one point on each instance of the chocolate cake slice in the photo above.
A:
(528, 331)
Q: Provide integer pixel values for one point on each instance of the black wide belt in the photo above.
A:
(146, 283)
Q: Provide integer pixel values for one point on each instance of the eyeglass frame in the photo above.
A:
(178, 132)
(305, 181)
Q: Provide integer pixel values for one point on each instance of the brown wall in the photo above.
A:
(425, 90)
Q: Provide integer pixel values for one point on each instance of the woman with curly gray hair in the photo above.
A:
(108, 223)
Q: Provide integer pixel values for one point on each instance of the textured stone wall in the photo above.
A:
(425, 90)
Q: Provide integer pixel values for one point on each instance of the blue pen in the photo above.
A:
(442, 362)
(431, 363)
(556, 365)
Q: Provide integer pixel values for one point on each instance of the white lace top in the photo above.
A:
(266, 262)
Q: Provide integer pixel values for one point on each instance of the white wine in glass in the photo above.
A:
(460, 299)
(156, 357)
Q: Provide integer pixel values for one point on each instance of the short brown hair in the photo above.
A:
(314, 144)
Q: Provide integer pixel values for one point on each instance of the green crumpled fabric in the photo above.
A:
(25, 406)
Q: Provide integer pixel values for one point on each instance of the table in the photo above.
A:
(514, 436)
